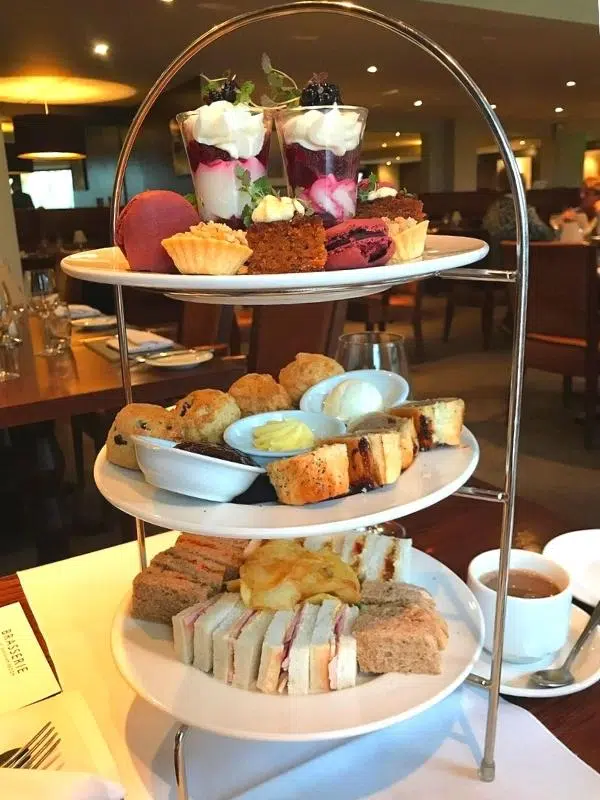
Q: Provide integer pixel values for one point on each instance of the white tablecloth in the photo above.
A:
(74, 602)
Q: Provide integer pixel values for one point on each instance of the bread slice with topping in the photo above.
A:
(311, 477)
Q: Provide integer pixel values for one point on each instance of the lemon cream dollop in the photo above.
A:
(276, 209)
(281, 435)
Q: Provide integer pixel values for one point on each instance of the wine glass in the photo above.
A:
(373, 350)
(41, 289)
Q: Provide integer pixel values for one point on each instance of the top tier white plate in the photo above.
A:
(432, 477)
(108, 265)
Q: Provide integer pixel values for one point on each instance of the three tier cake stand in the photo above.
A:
(518, 277)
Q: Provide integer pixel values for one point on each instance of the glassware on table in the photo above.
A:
(57, 329)
(218, 138)
(41, 289)
(373, 351)
(9, 358)
(321, 152)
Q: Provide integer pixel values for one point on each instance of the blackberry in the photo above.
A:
(226, 91)
(318, 92)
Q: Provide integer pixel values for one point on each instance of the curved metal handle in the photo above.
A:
(591, 624)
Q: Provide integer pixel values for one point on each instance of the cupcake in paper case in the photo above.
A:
(210, 248)
(408, 236)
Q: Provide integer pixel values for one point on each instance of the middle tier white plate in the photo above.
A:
(108, 265)
(144, 655)
(432, 477)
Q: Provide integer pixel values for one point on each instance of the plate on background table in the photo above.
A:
(97, 323)
(108, 265)
(585, 668)
(145, 657)
(579, 553)
(186, 359)
(432, 477)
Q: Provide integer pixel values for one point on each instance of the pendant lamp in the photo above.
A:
(49, 137)
(16, 165)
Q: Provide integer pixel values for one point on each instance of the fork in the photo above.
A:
(38, 750)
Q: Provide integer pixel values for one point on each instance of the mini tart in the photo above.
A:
(209, 248)
(408, 237)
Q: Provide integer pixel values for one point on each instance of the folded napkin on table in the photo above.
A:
(141, 341)
(80, 311)
(31, 784)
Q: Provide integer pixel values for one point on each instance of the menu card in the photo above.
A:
(25, 675)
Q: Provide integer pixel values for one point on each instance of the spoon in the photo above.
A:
(556, 677)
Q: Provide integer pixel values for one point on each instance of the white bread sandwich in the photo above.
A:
(227, 606)
(320, 645)
(437, 422)
(237, 645)
(342, 657)
(373, 556)
(298, 667)
(274, 658)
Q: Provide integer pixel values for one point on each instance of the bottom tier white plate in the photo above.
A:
(432, 477)
(144, 654)
(585, 669)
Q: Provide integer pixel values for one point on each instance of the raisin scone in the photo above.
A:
(204, 414)
(141, 419)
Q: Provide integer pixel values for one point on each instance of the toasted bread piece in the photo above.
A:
(311, 477)
(374, 459)
(380, 421)
(437, 422)
(399, 639)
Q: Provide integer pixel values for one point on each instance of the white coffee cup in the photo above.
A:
(534, 627)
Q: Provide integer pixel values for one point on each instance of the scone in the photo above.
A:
(311, 477)
(256, 393)
(306, 370)
(204, 414)
(437, 422)
(374, 459)
(380, 421)
(140, 419)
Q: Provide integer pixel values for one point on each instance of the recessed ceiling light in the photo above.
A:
(494, 106)
(388, 163)
(166, 1)
(522, 142)
(559, 109)
(571, 83)
(397, 133)
(101, 49)
(397, 158)
(384, 144)
(390, 92)
(6, 126)
(418, 103)
(372, 68)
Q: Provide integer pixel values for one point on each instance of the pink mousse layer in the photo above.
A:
(219, 190)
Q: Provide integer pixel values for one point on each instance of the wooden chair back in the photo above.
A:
(279, 332)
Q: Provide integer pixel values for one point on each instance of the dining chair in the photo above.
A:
(563, 321)
(279, 332)
(399, 304)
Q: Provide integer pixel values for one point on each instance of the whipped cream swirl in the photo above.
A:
(237, 129)
(276, 209)
(336, 129)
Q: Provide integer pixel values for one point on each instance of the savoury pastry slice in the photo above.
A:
(311, 477)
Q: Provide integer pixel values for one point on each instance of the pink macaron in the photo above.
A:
(148, 218)
(358, 243)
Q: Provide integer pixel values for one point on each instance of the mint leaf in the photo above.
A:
(262, 185)
(244, 93)
(283, 88)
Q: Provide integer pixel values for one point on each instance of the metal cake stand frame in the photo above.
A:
(518, 277)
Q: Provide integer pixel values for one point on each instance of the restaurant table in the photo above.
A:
(82, 381)
(74, 603)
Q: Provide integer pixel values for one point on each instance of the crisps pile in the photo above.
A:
(280, 574)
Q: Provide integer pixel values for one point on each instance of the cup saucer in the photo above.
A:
(586, 669)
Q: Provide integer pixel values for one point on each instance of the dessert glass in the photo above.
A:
(321, 149)
(239, 136)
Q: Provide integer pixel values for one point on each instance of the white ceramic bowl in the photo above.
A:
(239, 434)
(191, 473)
(393, 388)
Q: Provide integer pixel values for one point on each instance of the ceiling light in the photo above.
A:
(388, 163)
(522, 142)
(571, 83)
(494, 106)
(397, 158)
(6, 126)
(397, 133)
(60, 90)
(49, 137)
(166, 1)
(101, 49)
(372, 68)
(559, 109)
(384, 144)
(418, 103)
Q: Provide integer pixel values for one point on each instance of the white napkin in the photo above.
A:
(80, 311)
(141, 341)
(436, 755)
(31, 784)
